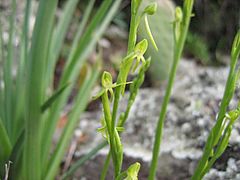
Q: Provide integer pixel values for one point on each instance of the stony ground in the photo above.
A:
(193, 107)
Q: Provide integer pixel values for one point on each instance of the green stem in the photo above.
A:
(105, 167)
(133, 31)
(131, 44)
(108, 120)
(158, 135)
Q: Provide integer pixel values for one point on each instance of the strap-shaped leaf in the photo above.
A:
(16, 156)
(59, 35)
(35, 88)
(78, 107)
(5, 147)
(53, 98)
(7, 75)
(5, 143)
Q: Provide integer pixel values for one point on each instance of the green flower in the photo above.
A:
(108, 85)
(103, 129)
(150, 9)
(139, 51)
(233, 115)
(132, 172)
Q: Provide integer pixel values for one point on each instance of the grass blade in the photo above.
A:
(35, 89)
(8, 81)
(61, 29)
(85, 158)
(81, 28)
(53, 98)
(2, 112)
(81, 103)
(6, 147)
(20, 78)
(16, 157)
(59, 35)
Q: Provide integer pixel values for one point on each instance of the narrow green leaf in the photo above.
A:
(5, 147)
(19, 100)
(16, 157)
(79, 106)
(53, 98)
(8, 79)
(62, 27)
(5, 143)
(82, 25)
(75, 166)
(59, 35)
(35, 89)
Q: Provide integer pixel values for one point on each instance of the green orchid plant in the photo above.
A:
(135, 56)
(219, 136)
(109, 129)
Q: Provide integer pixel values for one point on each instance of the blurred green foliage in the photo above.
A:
(198, 48)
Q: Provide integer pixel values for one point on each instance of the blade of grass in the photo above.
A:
(35, 89)
(53, 98)
(16, 157)
(2, 54)
(5, 145)
(61, 29)
(81, 27)
(20, 78)
(2, 112)
(82, 160)
(79, 106)
(59, 35)
(90, 37)
(8, 81)
(105, 167)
